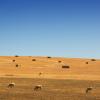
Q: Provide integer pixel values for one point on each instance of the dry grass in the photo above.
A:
(50, 67)
(58, 83)
(52, 89)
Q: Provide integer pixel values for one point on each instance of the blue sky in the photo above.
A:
(66, 28)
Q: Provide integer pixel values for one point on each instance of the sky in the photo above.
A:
(60, 28)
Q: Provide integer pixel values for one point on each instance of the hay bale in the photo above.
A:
(87, 62)
(16, 56)
(93, 59)
(17, 65)
(59, 61)
(40, 73)
(49, 57)
(65, 66)
(33, 59)
(13, 60)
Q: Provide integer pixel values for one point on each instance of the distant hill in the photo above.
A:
(49, 67)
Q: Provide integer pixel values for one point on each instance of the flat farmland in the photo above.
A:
(53, 89)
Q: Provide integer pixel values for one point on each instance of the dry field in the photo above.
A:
(49, 67)
(58, 83)
(53, 89)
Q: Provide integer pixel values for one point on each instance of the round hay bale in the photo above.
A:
(13, 60)
(17, 65)
(66, 66)
(93, 59)
(59, 61)
(87, 62)
(33, 59)
(16, 56)
(40, 73)
(49, 57)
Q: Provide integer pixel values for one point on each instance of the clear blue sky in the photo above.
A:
(69, 28)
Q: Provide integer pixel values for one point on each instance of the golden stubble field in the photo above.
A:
(58, 83)
(53, 89)
(49, 67)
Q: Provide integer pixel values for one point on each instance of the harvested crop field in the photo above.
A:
(71, 79)
(44, 67)
(53, 89)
